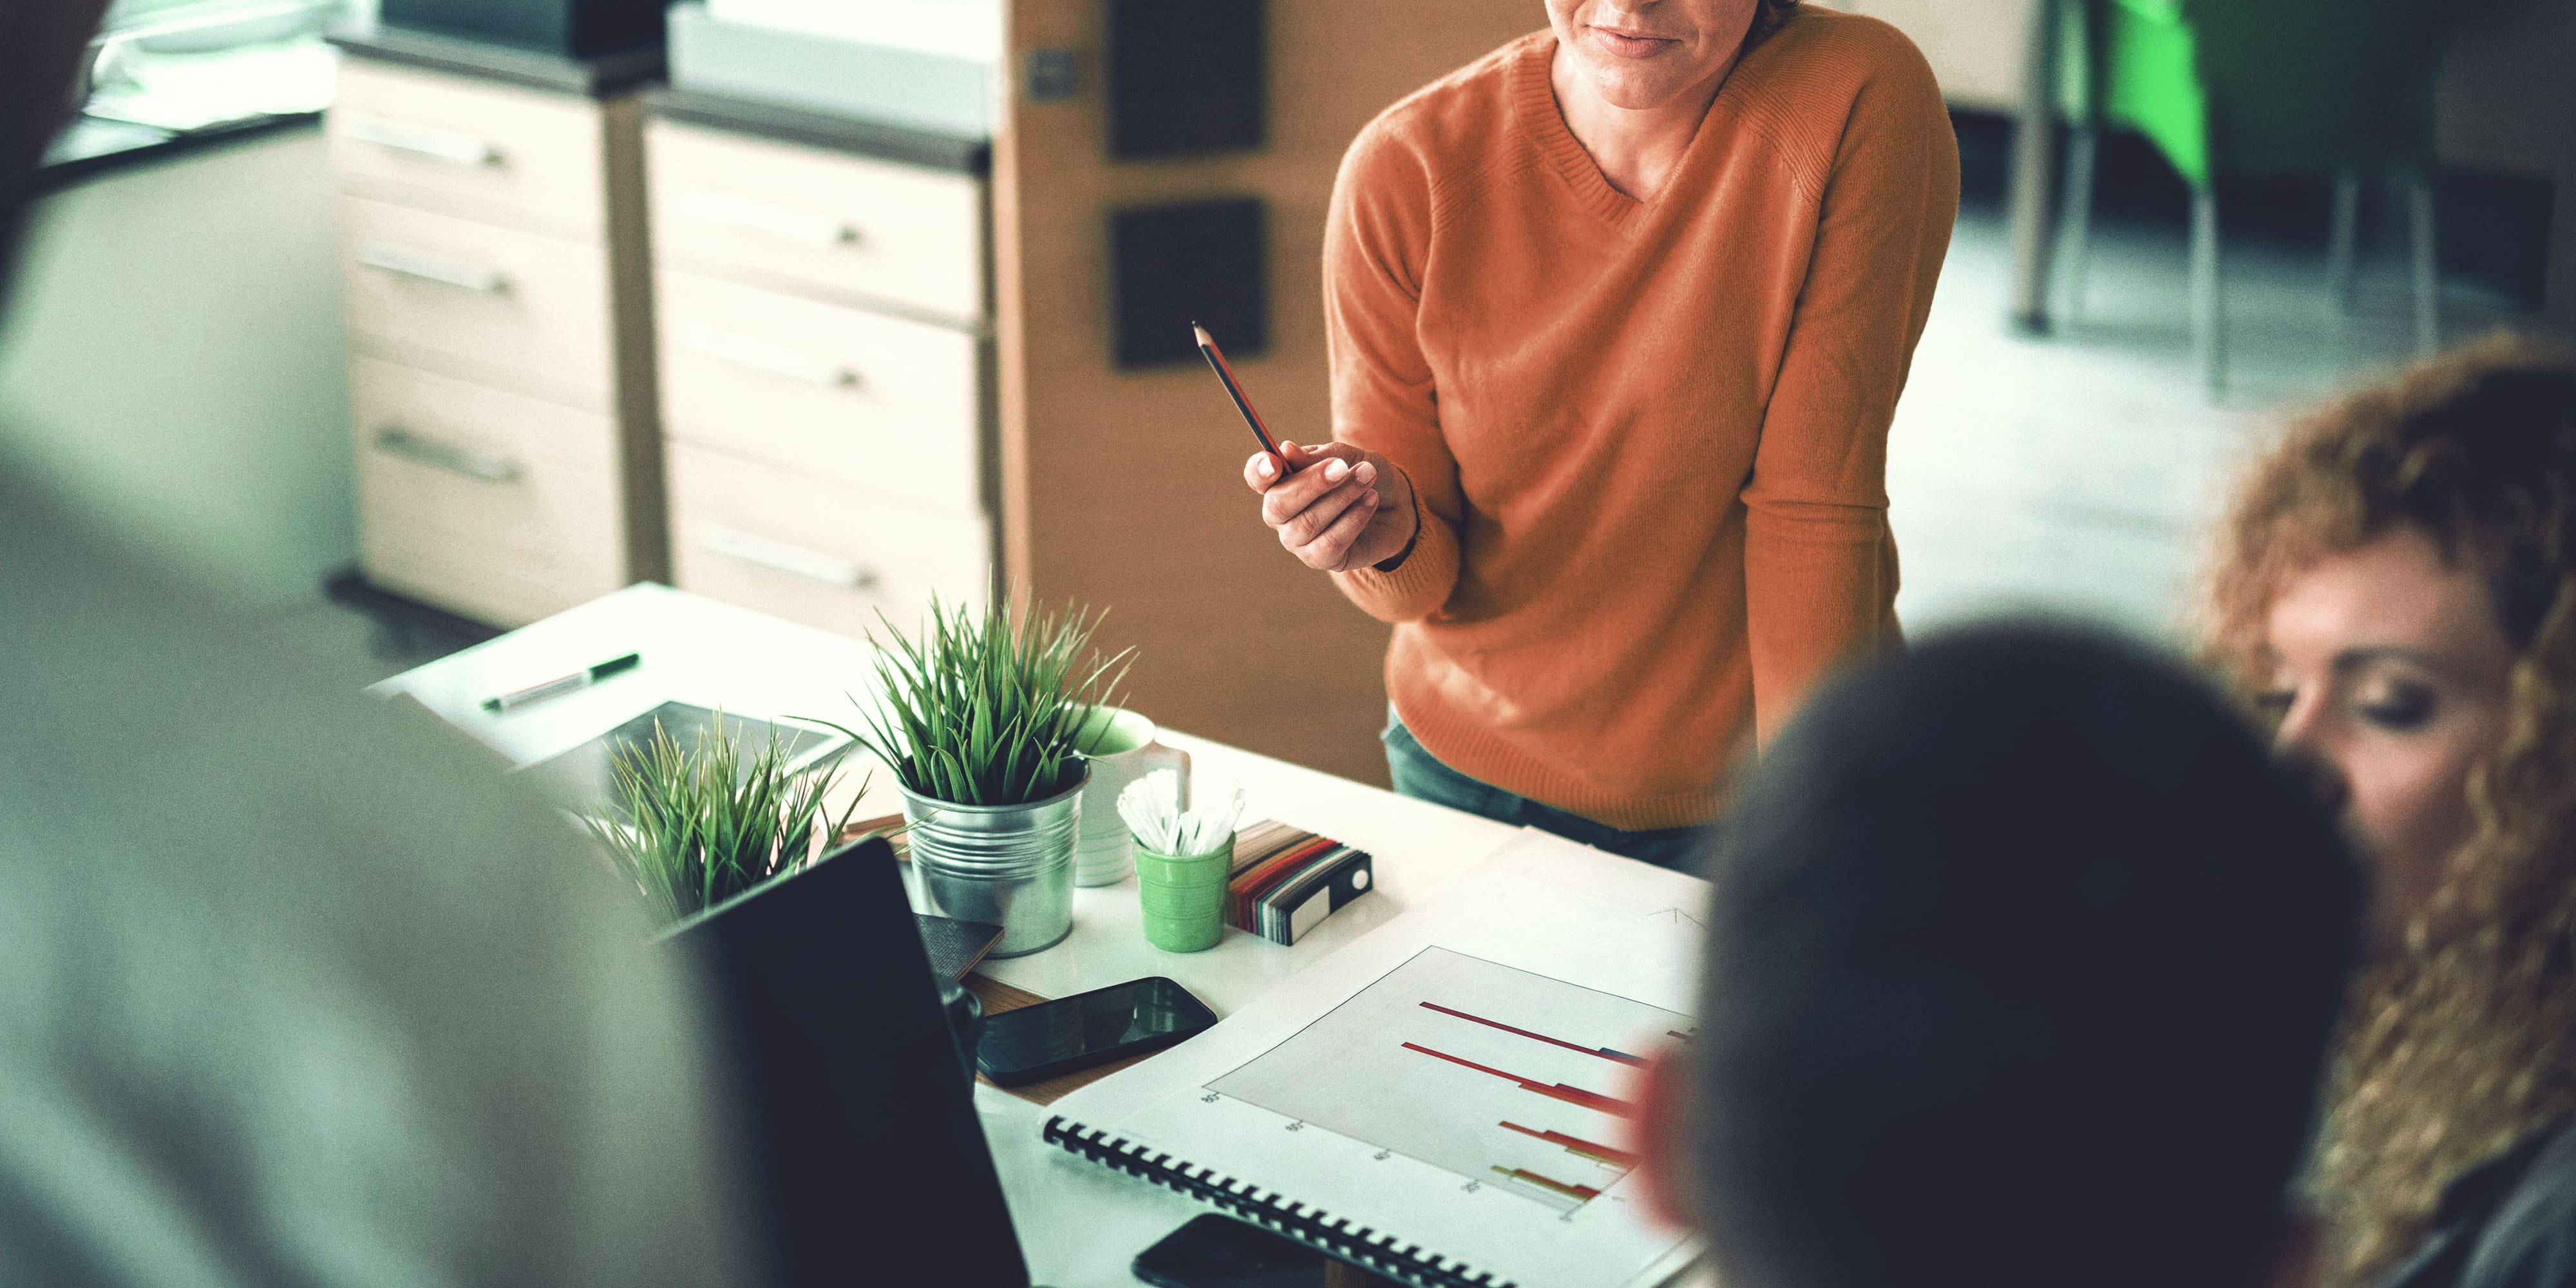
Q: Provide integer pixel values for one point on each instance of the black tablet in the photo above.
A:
(871, 1166)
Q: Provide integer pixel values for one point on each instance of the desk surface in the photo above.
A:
(1080, 1223)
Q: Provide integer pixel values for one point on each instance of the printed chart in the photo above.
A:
(1503, 1077)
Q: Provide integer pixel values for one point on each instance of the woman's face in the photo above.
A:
(1641, 54)
(2390, 679)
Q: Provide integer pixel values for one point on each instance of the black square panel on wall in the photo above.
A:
(1186, 77)
(1201, 261)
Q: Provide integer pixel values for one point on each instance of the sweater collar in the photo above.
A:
(1542, 121)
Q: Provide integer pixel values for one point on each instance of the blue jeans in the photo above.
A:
(1421, 776)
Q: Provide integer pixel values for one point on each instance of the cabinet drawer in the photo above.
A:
(799, 216)
(855, 396)
(497, 506)
(485, 298)
(812, 550)
(468, 147)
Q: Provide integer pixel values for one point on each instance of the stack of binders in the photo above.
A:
(1285, 881)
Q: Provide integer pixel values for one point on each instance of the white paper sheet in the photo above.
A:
(1459, 1077)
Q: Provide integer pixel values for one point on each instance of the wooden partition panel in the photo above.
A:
(1124, 489)
(1974, 46)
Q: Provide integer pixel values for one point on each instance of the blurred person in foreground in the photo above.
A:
(2023, 961)
(1617, 318)
(294, 990)
(2397, 591)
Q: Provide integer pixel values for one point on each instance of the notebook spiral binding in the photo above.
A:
(1359, 1245)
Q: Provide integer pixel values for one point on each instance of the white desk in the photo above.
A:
(1079, 1223)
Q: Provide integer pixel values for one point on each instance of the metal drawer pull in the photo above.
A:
(431, 268)
(421, 140)
(779, 556)
(743, 351)
(776, 221)
(398, 441)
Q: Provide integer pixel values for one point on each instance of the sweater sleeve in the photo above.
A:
(1375, 239)
(1819, 566)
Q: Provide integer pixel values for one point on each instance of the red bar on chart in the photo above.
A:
(1603, 1052)
(1576, 1145)
(1571, 1095)
(1584, 1193)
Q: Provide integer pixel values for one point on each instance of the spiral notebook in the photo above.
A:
(1441, 1101)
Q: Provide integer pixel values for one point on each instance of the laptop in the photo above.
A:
(586, 774)
(869, 1164)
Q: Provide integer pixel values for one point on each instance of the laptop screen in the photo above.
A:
(870, 1164)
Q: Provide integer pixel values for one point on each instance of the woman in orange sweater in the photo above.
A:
(1618, 316)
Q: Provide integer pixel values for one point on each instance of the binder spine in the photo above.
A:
(1359, 1245)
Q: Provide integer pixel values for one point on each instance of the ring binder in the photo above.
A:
(1333, 1236)
(1439, 1086)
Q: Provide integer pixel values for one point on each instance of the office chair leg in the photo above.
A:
(2075, 218)
(2206, 341)
(2343, 242)
(2428, 283)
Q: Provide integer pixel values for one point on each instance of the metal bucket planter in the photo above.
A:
(1006, 865)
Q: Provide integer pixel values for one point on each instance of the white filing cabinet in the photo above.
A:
(823, 300)
(496, 283)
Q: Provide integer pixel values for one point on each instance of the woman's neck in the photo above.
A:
(1637, 149)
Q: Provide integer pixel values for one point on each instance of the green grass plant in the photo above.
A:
(986, 707)
(695, 826)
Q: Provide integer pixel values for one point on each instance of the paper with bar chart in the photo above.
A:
(1461, 1078)
(1464, 1063)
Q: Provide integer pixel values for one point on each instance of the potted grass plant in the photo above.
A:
(696, 826)
(980, 716)
(702, 829)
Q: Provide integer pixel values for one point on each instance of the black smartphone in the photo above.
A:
(1035, 1043)
(1220, 1252)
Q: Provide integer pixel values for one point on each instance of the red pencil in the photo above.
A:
(1216, 359)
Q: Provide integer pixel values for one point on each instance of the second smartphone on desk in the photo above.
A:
(1051, 1039)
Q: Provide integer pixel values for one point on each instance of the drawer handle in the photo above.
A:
(419, 450)
(779, 556)
(782, 222)
(429, 267)
(421, 140)
(743, 351)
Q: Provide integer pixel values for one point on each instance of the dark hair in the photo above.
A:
(2022, 963)
(40, 47)
(1767, 17)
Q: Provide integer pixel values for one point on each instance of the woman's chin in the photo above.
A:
(1633, 88)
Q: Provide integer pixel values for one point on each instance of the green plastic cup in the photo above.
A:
(1183, 896)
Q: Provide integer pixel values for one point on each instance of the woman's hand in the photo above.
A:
(1343, 509)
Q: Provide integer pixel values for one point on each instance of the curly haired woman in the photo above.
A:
(1618, 315)
(2397, 589)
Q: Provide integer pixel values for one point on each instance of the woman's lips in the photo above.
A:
(1628, 46)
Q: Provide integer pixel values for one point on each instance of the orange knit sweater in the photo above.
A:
(1648, 438)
